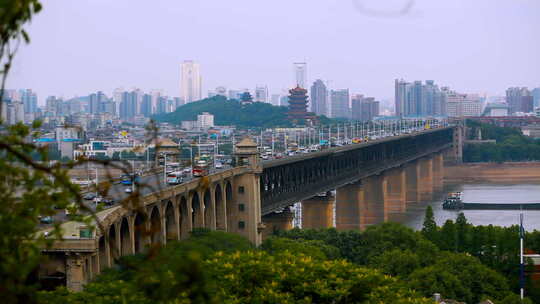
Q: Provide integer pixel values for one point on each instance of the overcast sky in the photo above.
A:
(81, 46)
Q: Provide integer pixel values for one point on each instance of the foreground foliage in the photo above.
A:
(212, 271)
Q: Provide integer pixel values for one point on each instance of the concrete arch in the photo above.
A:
(170, 222)
(125, 238)
(230, 208)
(184, 218)
(209, 210)
(221, 217)
(102, 253)
(155, 226)
(113, 248)
(197, 215)
(140, 232)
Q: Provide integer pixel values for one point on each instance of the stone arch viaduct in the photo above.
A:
(251, 200)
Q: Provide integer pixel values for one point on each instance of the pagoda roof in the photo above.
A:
(246, 142)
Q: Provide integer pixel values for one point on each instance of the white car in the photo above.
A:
(219, 165)
(128, 190)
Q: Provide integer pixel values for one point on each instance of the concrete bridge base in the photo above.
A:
(318, 212)
(277, 222)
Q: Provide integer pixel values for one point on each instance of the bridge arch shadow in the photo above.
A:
(125, 238)
(140, 232)
(184, 217)
(220, 209)
(170, 222)
(155, 226)
(230, 207)
(209, 213)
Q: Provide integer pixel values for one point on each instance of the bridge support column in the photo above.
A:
(373, 209)
(318, 212)
(438, 172)
(425, 180)
(395, 194)
(247, 194)
(75, 272)
(348, 200)
(277, 221)
(412, 174)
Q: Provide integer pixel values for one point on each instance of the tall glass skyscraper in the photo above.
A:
(191, 89)
(300, 73)
(319, 95)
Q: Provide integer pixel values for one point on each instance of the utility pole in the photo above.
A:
(273, 143)
(521, 264)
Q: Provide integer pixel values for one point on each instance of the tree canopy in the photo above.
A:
(232, 112)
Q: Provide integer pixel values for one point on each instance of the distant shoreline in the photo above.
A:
(508, 172)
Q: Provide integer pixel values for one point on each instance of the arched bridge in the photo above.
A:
(249, 199)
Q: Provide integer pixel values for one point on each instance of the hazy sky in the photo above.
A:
(81, 46)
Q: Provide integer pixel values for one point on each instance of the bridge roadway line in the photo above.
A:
(324, 187)
(330, 151)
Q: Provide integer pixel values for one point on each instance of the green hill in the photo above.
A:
(231, 112)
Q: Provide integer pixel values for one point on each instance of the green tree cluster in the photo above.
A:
(495, 247)
(426, 260)
(232, 112)
(218, 267)
(510, 145)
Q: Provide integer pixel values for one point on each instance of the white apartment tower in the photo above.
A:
(191, 89)
(300, 73)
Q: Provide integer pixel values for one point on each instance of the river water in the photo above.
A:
(479, 193)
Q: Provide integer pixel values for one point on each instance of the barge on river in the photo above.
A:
(454, 202)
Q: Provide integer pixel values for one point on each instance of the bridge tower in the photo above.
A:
(455, 154)
(246, 215)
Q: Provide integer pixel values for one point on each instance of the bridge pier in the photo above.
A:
(75, 272)
(438, 172)
(360, 205)
(277, 221)
(373, 209)
(395, 194)
(412, 174)
(348, 200)
(425, 180)
(318, 212)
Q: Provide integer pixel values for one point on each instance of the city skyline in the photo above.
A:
(147, 55)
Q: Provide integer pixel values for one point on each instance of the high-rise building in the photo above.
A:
(417, 99)
(191, 81)
(319, 96)
(29, 100)
(161, 106)
(261, 94)
(536, 97)
(519, 99)
(53, 105)
(129, 104)
(356, 106)
(300, 74)
(364, 108)
(339, 104)
(94, 103)
(146, 105)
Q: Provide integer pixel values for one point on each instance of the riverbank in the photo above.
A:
(510, 172)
